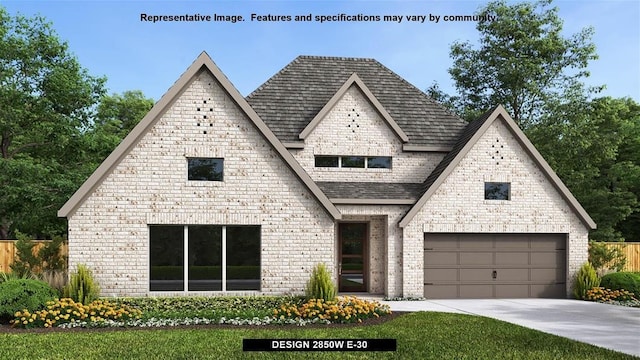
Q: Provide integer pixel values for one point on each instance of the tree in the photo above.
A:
(116, 116)
(594, 146)
(46, 99)
(522, 61)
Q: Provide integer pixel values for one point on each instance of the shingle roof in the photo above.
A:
(291, 98)
(370, 190)
(468, 132)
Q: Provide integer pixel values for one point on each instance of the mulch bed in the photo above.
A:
(6, 328)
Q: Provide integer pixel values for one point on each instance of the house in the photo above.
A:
(332, 160)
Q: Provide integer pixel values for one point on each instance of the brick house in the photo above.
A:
(332, 160)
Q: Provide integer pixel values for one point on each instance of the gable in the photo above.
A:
(523, 156)
(227, 97)
(348, 89)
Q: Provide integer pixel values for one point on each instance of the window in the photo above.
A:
(379, 162)
(220, 258)
(205, 169)
(326, 161)
(372, 162)
(497, 191)
(353, 162)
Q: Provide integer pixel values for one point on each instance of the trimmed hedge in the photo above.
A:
(622, 281)
(205, 272)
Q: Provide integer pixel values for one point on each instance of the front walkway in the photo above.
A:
(608, 326)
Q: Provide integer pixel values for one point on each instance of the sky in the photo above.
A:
(109, 39)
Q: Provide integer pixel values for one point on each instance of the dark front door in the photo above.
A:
(352, 269)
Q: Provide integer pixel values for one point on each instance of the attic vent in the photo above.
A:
(352, 116)
(495, 152)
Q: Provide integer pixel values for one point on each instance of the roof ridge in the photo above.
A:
(323, 57)
(422, 93)
(272, 77)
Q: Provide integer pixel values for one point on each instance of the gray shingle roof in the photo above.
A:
(466, 135)
(370, 190)
(291, 98)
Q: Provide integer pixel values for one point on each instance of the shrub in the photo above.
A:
(47, 258)
(585, 280)
(82, 287)
(347, 309)
(602, 294)
(68, 311)
(604, 258)
(57, 279)
(320, 285)
(622, 281)
(19, 294)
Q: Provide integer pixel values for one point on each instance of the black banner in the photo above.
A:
(319, 345)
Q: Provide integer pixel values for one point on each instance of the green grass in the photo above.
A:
(419, 335)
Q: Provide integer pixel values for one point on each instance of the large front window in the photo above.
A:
(219, 258)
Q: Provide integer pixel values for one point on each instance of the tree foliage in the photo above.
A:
(594, 146)
(521, 62)
(46, 99)
(525, 63)
(56, 125)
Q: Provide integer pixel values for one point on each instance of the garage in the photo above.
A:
(494, 266)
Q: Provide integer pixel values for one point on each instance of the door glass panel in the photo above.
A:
(353, 237)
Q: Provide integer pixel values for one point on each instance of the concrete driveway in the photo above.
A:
(608, 326)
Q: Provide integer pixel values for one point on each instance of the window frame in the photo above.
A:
(497, 184)
(340, 161)
(221, 172)
(226, 282)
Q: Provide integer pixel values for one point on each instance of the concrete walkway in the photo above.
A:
(608, 326)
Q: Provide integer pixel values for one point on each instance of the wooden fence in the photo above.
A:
(632, 253)
(8, 252)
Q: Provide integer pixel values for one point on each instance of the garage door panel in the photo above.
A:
(525, 265)
(547, 276)
(480, 242)
(547, 258)
(440, 258)
(548, 291)
(476, 258)
(476, 291)
(512, 275)
(441, 291)
(441, 275)
(511, 258)
(512, 291)
(475, 274)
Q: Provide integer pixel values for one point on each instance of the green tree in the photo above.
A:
(116, 116)
(594, 146)
(521, 62)
(46, 100)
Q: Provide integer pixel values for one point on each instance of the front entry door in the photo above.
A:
(352, 267)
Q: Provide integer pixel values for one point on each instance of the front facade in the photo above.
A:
(336, 161)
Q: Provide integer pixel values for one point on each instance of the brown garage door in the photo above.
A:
(494, 266)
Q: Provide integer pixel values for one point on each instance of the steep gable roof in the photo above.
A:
(202, 62)
(354, 80)
(468, 139)
(292, 98)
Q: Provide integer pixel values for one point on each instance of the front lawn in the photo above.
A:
(425, 335)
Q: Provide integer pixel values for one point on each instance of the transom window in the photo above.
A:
(497, 191)
(218, 258)
(363, 162)
(205, 169)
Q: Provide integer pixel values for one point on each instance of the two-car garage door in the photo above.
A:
(494, 266)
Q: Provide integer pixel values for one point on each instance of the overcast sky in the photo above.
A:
(109, 38)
